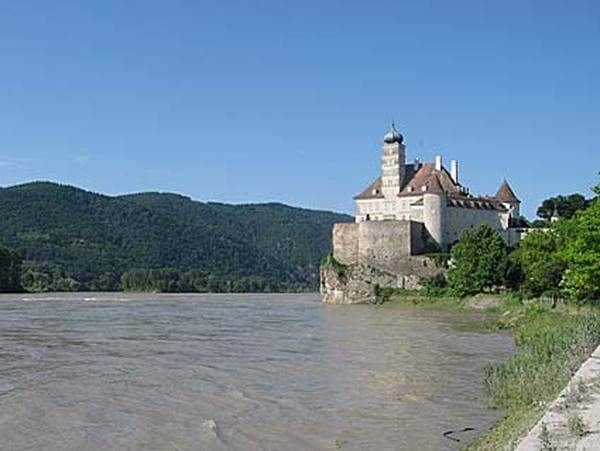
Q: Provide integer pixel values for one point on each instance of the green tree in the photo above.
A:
(479, 261)
(581, 252)
(566, 206)
(541, 263)
(10, 271)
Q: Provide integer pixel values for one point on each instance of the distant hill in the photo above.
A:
(75, 239)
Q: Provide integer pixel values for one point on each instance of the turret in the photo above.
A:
(393, 158)
(508, 198)
(434, 210)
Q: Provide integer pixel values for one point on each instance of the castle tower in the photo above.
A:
(434, 211)
(393, 158)
(508, 198)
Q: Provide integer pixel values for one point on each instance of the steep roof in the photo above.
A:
(373, 191)
(505, 193)
(433, 185)
(424, 177)
(414, 181)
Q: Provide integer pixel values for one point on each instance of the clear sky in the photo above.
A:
(253, 101)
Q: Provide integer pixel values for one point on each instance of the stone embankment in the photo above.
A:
(572, 422)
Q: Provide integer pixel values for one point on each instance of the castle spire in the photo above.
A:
(393, 135)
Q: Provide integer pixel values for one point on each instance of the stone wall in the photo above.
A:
(383, 243)
(375, 254)
(345, 242)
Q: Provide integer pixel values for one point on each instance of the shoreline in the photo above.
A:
(552, 343)
(580, 398)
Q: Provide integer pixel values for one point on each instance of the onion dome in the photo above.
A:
(393, 135)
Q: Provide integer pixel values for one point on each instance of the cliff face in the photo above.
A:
(372, 255)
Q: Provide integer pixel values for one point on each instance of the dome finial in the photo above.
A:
(393, 135)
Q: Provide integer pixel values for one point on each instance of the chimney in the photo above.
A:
(454, 170)
(417, 164)
(438, 162)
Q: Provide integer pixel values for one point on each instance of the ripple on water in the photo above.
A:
(237, 372)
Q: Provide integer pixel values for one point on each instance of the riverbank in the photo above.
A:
(552, 342)
(571, 420)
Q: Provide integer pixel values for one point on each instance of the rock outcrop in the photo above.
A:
(359, 283)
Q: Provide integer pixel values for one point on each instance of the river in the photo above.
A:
(121, 371)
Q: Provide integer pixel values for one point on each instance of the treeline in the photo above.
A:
(171, 280)
(38, 278)
(562, 261)
(10, 271)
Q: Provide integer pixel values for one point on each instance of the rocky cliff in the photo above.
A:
(358, 283)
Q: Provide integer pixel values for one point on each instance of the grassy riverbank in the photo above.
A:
(552, 341)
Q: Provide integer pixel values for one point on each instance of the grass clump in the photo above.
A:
(576, 425)
(545, 439)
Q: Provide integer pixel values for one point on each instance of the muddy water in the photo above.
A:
(203, 372)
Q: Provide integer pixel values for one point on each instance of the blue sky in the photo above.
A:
(288, 101)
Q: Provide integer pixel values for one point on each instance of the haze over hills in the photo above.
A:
(75, 239)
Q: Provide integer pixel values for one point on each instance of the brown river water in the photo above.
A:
(243, 372)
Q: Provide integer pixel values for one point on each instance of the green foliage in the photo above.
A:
(540, 224)
(550, 346)
(540, 262)
(514, 271)
(435, 286)
(340, 269)
(552, 343)
(171, 280)
(581, 253)
(566, 206)
(441, 259)
(479, 261)
(10, 271)
(74, 239)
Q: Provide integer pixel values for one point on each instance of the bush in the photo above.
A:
(435, 286)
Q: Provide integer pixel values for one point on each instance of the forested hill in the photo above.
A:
(75, 239)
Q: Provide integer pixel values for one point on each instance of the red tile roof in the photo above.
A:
(505, 193)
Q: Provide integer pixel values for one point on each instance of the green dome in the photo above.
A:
(393, 136)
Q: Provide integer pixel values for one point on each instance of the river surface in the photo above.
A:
(242, 372)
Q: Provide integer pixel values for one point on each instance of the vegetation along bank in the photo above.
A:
(546, 293)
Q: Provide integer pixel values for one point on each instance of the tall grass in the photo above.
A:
(552, 343)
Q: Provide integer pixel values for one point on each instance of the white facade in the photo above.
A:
(429, 194)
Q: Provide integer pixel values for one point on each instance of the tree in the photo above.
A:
(582, 252)
(541, 264)
(566, 206)
(10, 271)
(478, 261)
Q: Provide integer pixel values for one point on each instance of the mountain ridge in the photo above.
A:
(69, 233)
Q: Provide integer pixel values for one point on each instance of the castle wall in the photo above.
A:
(459, 219)
(384, 243)
(345, 242)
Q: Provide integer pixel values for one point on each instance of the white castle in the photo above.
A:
(432, 197)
